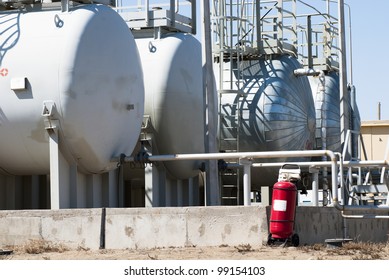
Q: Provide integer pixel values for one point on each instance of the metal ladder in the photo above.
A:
(229, 125)
(234, 32)
(230, 100)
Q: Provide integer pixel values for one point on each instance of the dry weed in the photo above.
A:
(39, 246)
(314, 247)
(244, 248)
(353, 250)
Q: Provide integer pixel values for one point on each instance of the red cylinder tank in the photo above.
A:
(283, 209)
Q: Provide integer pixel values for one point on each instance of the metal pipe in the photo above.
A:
(242, 156)
(354, 121)
(309, 42)
(341, 177)
(371, 163)
(147, 7)
(344, 126)
(306, 72)
(320, 99)
(172, 13)
(248, 155)
(350, 35)
(315, 186)
(272, 154)
(64, 6)
(246, 181)
(365, 216)
(340, 207)
(193, 17)
(258, 25)
(345, 143)
(350, 43)
(212, 191)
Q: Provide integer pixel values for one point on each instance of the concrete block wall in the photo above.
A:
(316, 224)
(180, 227)
(74, 228)
(142, 228)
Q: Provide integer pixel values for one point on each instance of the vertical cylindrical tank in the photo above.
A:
(276, 110)
(174, 98)
(86, 65)
(327, 109)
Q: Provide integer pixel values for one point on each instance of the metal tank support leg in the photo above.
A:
(59, 167)
(34, 196)
(73, 186)
(3, 193)
(180, 193)
(95, 184)
(152, 191)
(113, 195)
(193, 191)
(81, 192)
(59, 174)
(11, 184)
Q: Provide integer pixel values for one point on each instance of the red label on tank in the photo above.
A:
(3, 72)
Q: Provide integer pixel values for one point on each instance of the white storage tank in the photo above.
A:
(84, 61)
(174, 98)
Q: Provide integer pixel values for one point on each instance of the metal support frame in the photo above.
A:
(59, 167)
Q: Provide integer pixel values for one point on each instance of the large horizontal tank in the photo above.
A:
(327, 113)
(174, 98)
(86, 63)
(276, 111)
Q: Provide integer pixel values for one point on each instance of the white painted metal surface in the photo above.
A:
(84, 65)
(174, 98)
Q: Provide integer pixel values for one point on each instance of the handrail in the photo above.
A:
(139, 14)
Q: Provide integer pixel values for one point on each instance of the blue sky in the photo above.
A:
(370, 40)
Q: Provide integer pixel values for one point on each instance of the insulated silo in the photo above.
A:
(84, 67)
(174, 98)
(327, 112)
(276, 111)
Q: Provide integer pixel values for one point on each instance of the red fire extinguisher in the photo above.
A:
(283, 208)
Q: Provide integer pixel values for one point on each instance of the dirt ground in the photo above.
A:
(349, 251)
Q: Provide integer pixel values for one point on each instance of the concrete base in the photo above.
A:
(143, 228)
(336, 242)
(180, 227)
